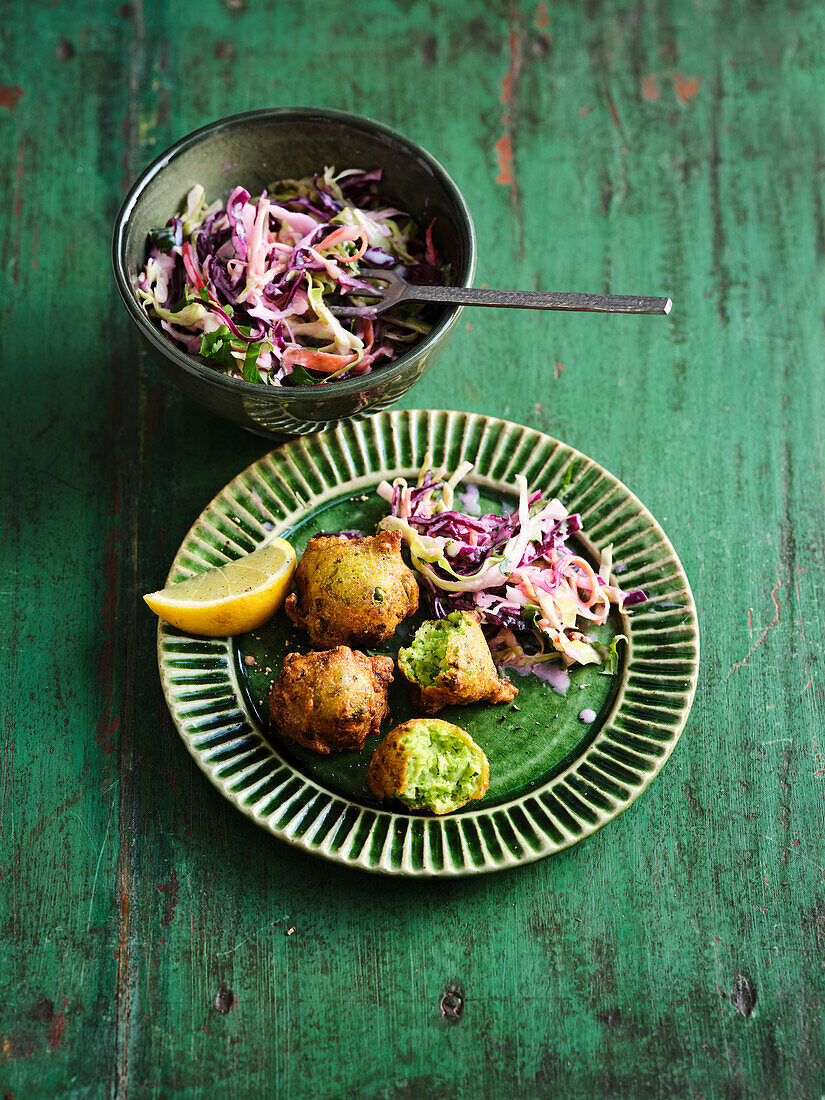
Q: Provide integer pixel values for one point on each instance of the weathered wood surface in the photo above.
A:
(648, 148)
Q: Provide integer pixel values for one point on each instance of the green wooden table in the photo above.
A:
(156, 943)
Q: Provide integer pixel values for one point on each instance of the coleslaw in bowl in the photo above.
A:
(290, 143)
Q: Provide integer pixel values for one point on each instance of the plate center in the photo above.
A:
(526, 741)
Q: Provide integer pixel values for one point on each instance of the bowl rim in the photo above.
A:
(254, 389)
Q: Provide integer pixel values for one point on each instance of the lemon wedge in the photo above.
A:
(231, 598)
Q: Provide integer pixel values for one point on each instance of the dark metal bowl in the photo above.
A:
(252, 149)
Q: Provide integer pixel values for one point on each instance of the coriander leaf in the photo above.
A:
(210, 339)
(216, 346)
(188, 299)
(300, 377)
(250, 362)
(164, 237)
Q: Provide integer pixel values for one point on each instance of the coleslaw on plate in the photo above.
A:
(536, 596)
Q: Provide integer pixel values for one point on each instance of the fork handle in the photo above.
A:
(536, 299)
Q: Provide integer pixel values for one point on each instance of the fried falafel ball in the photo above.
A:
(352, 591)
(331, 700)
(448, 662)
(429, 764)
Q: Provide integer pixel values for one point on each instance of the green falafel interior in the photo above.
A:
(443, 772)
(424, 658)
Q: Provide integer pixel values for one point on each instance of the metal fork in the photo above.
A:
(396, 290)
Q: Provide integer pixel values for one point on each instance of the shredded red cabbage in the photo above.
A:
(246, 285)
(534, 593)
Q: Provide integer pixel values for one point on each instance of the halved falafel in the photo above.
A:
(448, 662)
(429, 764)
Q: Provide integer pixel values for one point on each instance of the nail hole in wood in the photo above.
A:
(743, 997)
(223, 1000)
(452, 1003)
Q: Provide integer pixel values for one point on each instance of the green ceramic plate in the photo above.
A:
(553, 778)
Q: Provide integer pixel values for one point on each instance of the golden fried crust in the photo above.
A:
(387, 772)
(352, 591)
(468, 676)
(331, 701)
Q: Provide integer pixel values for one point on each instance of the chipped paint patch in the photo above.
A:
(105, 734)
(542, 16)
(170, 898)
(15, 1047)
(10, 96)
(505, 146)
(650, 87)
(685, 87)
(774, 622)
(504, 152)
(58, 1027)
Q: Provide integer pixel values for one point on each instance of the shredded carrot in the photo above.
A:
(191, 265)
(431, 256)
(339, 236)
(367, 333)
(359, 252)
(589, 577)
(317, 360)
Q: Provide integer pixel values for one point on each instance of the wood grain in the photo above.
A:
(642, 148)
